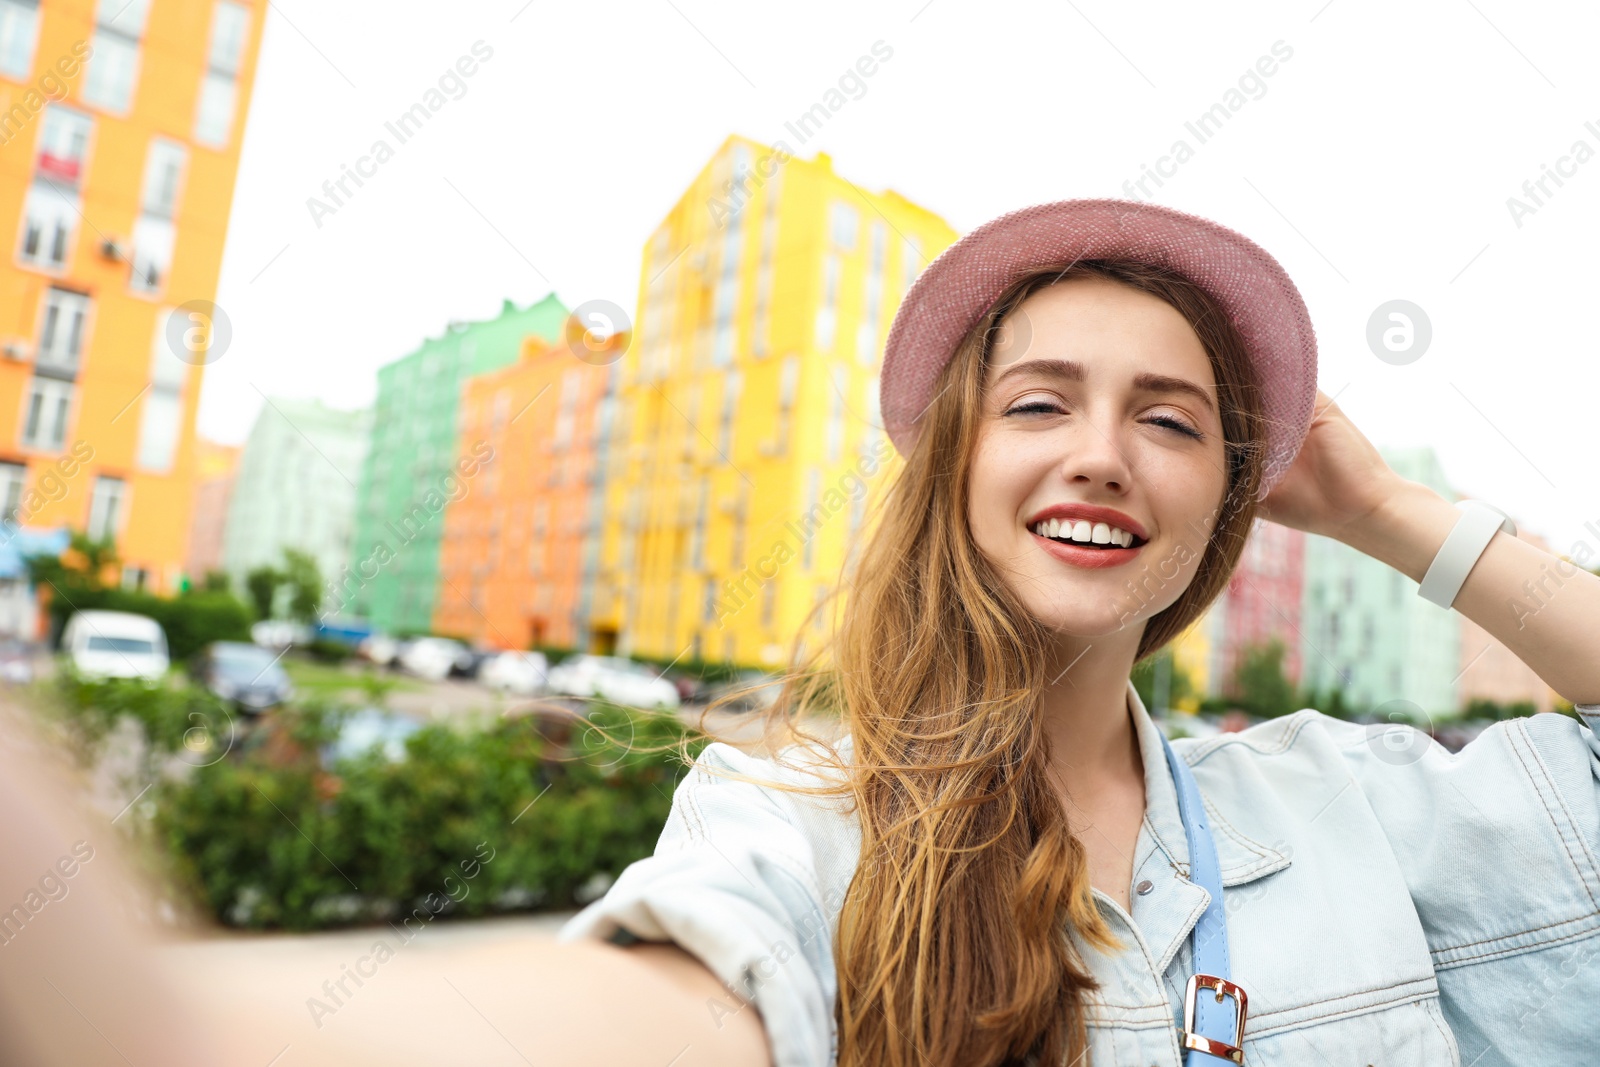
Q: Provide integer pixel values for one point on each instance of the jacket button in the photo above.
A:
(1144, 887)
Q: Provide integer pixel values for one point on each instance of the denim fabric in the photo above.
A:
(1389, 902)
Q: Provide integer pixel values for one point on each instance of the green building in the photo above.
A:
(1364, 628)
(410, 471)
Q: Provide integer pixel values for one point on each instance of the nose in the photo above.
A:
(1096, 457)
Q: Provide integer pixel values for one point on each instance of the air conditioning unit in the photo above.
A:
(15, 348)
(114, 250)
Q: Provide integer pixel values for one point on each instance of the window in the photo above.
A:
(214, 117)
(571, 383)
(63, 145)
(163, 174)
(153, 239)
(153, 233)
(50, 210)
(218, 91)
(114, 65)
(228, 31)
(846, 221)
(49, 219)
(162, 417)
(61, 333)
(19, 32)
(45, 413)
(12, 478)
(787, 383)
(730, 402)
(111, 72)
(828, 313)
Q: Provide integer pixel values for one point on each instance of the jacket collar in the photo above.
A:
(1165, 918)
(1241, 858)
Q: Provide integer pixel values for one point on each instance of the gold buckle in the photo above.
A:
(1192, 1040)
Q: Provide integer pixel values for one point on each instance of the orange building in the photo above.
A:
(120, 125)
(517, 562)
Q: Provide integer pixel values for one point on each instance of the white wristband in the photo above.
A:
(1461, 549)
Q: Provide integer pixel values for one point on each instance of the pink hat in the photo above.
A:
(958, 287)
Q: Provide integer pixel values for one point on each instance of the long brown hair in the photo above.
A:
(953, 943)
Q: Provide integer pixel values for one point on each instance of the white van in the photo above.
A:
(115, 644)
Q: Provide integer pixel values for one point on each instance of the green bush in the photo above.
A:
(492, 820)
(329, 651)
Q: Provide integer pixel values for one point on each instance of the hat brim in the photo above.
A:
(963, 283)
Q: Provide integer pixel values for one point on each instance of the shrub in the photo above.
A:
(481, 821)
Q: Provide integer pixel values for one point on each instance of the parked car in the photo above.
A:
(115, 644)
(380, 649)
(522, 673)
(432, 658)
(279, 633)
(16, 661)
(470, 660)
(246, 676)
(613, 678)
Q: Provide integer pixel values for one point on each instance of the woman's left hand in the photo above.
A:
(1338, 477)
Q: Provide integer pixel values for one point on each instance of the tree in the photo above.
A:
(1259, 685)
(216, 582)
(262, 584)
(1147, 678)
(301, 575)
(1331, 703)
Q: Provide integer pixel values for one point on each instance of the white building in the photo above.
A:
(296, 487)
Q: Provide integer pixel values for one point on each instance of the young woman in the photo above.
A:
(1001, 860)
(995, 864)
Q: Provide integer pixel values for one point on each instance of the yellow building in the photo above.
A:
(747, 430)
(120, 124)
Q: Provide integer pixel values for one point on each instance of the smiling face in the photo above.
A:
(1100, 411)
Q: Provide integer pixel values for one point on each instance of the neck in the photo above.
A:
(1093, 744)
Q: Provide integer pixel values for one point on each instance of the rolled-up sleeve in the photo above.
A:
(1498, 846)
(734, 883)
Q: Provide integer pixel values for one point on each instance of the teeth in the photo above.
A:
(1098, 533)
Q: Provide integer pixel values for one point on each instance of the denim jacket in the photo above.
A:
(1388, 903)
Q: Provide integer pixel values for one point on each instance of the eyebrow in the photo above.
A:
(1071, 370)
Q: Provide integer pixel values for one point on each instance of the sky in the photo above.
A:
(1393, 153)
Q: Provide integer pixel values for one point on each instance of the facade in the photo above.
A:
(411, 465)
(520, 545)
(746, 436)
(1263, 598)
(1262, 602)
(1367, 631)
(296, 487)
(120, 125)
(215, 467)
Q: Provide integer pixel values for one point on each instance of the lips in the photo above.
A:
(1088, 558)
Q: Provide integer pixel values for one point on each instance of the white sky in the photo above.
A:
(1376, 166)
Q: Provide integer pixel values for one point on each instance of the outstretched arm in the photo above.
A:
(81, 983)
(1543, 608)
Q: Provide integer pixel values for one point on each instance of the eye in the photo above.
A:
(1179, 425)
(1036, 407)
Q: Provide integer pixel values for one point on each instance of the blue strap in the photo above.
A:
(1210, 935)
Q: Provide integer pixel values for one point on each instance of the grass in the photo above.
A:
(311, 678)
